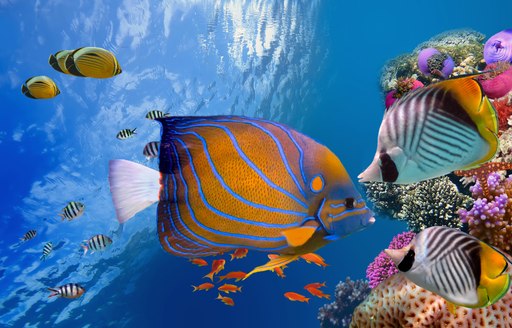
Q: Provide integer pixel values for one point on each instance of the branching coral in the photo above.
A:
(348, 295)
(397, 302)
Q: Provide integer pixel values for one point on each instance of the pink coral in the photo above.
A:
(382, 267)
(397, 302)
(498, 82)
(403, 86)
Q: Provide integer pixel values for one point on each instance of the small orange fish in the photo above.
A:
(239, 253)
(315, 285)
(199, 262)
(206, 286)
(318, 293)
(296, 297)
(226, 300)
(227, 288)
(272, 256)
(217, 266)
(279, 272)
(314, 258)
(238, 275)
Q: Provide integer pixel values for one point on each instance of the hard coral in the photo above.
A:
(397, 302)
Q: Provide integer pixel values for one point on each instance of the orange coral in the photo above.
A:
(397, 302)
(481, 173)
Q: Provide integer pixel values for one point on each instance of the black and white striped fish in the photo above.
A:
(151, 149)
(125, 134)
(96, 243)
(457, 266)
(28, 235)
(154, 114)
(67, 291)
(72, 210)
(432, 131)
(47, 249)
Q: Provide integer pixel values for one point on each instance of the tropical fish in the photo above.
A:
(67, 291)
(125, 134)
(238, 275)
(314, 258)
(456, 266)
(47, 249)
(239, 253)
(226, 300)
(296, 297)
(72, 211)
(432, 131)
(154, 114)
(28, 235)
(316, 285)
(92, 62)
(279, 271)
(206, 286)
(40, 87)
(229, 288)
(229, 182)
(198, 262)
(316, 292)
(217, 266)
(151, 150)
(58, 61)
(96, 243)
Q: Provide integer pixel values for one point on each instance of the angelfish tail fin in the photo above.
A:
(133, 186)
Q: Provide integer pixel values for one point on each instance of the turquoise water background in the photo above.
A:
(311, 64)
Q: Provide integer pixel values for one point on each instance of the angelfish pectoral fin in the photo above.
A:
(279, 261)
(297, 237)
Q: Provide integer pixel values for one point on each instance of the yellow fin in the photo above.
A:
(496, 288)
(493, 262)
(279, 261)
(299, 236)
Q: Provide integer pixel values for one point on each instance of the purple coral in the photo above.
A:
(433, 62)
(499, 47)
(382, 267)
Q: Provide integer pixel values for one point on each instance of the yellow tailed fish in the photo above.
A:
(432, 131)
(228, 182)
(456, 266)
(40, 87)
(93, 62)
(58, 61)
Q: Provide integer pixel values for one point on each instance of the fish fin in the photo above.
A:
(85, 249)
(331, 237)
(299, 236)
(209, 275)
(54, 291)
(274, 263)
(195, 288)
(134, 187)
(451, 307)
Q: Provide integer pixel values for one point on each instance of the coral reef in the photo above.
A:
(499, 47)
(423, 204)
(490, 219)
(433, 62)
(403, 86)
(498, 81)
(397, 302)
(382, 267)
(348, 295)
(503, 108)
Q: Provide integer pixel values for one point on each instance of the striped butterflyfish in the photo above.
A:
(67, 291)
(228, 182)
(40, 87)
(151, 149)
(125, 134)
(154, 114)
(58, 61)
(92, 62)
(432, 131)
(96, 243)
(72, 211)
(47, 249)
(28, 235)
(456, 266)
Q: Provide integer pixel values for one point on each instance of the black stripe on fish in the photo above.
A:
(407, 262)
(70, 64)
(388, 168)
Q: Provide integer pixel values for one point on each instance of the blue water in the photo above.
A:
(311, 64)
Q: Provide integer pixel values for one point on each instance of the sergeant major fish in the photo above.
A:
(72, 211)
(67, 291)
(47, 249)
(96, 243)
(125, 134)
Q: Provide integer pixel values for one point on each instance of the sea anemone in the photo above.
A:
(498, 81)
(403, 86)
(433, 62)
(499, 47)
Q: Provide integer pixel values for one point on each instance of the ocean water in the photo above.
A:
(313, 65)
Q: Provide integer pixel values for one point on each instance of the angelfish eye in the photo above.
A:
(349, 203)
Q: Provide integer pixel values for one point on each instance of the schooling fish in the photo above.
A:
(40, 87)
(280, 271)
(296, 297)
(318, 293)
(314, 258)
(228, 182)
(206, 286)
(198, 262)
(47, 249)
(92, 62)
(432, 131)
(217, 266)
(239, 253)
(72, 211)
(226, 300)
(237, 275)
(154, 114)
(28, 235)
(151, 150)
(97, 243)
(316, 285)
(58, 61)
(125, 134)
(229, 288)
(456, 266)
(67, 291)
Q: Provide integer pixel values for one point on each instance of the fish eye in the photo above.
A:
(349, 203)
(407, 261)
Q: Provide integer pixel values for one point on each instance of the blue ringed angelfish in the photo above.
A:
(432, 131)
(228, 182)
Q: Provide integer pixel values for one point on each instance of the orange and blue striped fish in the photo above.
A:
(228, 182)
